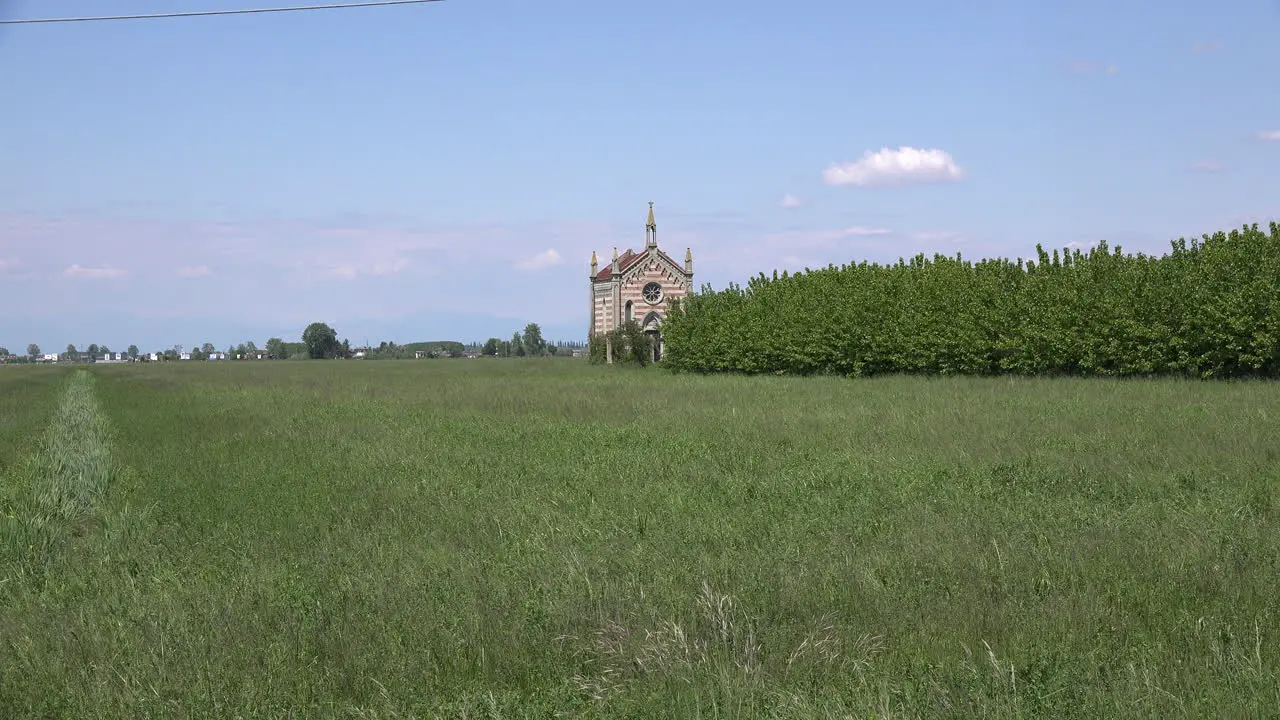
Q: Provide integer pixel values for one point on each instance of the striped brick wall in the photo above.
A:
(603, 302)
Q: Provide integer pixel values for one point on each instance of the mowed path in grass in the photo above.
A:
(520, 538)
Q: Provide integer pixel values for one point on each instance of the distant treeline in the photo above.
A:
(387, 350)
(529, 343)
(1210, 308)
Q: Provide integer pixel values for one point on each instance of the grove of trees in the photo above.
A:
(522, 344)
(1209, 309)
(390, 350)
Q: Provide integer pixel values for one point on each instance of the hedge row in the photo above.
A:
(1210, 308)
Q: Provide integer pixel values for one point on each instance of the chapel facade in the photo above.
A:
(638, 286)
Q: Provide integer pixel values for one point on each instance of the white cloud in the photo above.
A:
(194, 271)
(1269, 135)
(790, 201)
(8, 264)
(543, 260)
(895, 167)
(1206, 47)
(1208, 166)
(78, 271)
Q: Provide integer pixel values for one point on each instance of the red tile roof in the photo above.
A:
(626, 260)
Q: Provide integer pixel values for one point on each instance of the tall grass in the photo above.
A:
(532, 538)
(51, 495)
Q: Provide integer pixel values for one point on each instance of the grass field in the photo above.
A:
(531, 538)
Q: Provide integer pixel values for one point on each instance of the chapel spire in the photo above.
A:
(651, 230)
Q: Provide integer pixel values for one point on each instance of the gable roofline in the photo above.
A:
(661, 257)
(630, 259)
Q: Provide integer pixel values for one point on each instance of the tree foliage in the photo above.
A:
(436, 348)
(532, 341)
(1210, 308)
(321, 341)
(388, 350)
(276, 349)
(631, 345)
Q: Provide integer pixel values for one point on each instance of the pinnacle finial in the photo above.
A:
(688, 254)
(615, 254)
(650, 222)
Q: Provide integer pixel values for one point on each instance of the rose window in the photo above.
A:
(652, 293)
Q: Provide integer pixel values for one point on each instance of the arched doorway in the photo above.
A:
(652, 327)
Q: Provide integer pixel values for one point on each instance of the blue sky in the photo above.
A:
(445, 170)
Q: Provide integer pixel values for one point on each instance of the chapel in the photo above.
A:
(638, 286)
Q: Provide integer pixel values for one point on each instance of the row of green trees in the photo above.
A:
(529, 343)
(390, 350)
(322, 341)
(34, 352)
(1209, 308)
(92, 351)
(275, 347)
(319, 341)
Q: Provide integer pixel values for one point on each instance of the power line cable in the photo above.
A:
(207, 13)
